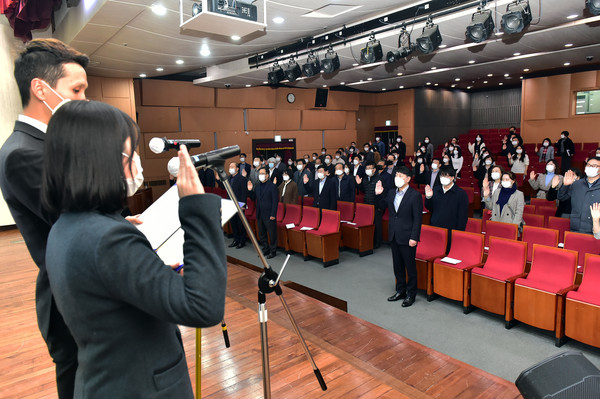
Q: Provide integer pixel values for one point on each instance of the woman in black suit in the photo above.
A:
(120, 301)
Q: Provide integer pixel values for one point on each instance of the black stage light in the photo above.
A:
(430, 39)
(276, 74)
(593, 6)
(405, 47)
(481, 26)
(293, 71)
(517, 17)
(196, 9)
(331, 62)
(312, 66)
(372, 51)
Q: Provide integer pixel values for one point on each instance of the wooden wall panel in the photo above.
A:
(322, 120)
(305, 98)
(384, 113)
(338, 138)
(583, 80)
(533, 91)
(206, 138)
(212, 119)
(227, 138)
(124, 104)
(116, 87)
(343, 100)
(368, 99)
(117, 92)
(94, 89)
(351, 120)
(261, 119)
(252, 97)
(158, 119)
(307, 142)
(287, 119)
(558, 96)
(176, 94)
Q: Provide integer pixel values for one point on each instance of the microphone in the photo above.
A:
(158, 145)
(206, 159)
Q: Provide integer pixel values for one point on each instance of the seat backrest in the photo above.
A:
(506, 255)
(560, 224)
(386, 214)
(310, 217)
(485, 216)
(545, 211)
(542, 202)
(473, 225)
(280, 211)
(470, 193)
(529, 209)
(468, 247)
(307, 201)
(591, 275)
(582, 243)
(330, 222)
(364, 214)
(293, 213)
(346, 210)
(553, 266)
(359, 198)
(433, 242)
(500, 229)
(250, 207)
(538, 235)
(531, 219)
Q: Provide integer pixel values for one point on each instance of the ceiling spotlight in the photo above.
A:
(405, 47)
(160, 69)
(312, 66)
(159, 9)
(196, 9)
(142, 75)
(372, 51)
(430, 38)
(481, 26)
(593, 6)
(275, 74)
(179, 62)
(517, 17)
(331, 63)
(293, 71)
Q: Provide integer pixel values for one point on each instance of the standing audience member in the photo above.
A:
(274, 172)
(545, 153)
(244, 166)
(482, 171)
(456, 158)
(344, 185)
(519, 161)
(475, 148)
(302, 170)
(544, 180)
(239, 185)
(432, 176)
(288, 189)
(595, 211)
(322, 189)
(583, 193)
(401, 148)
(405, 206)
(507, 204)
(266, 197)
(566, 150)
(367, 186)
(563, 209)
(254, 170)
(428, 148)
(380, 146)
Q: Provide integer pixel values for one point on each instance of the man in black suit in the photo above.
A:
(367, 186)
(323, 190)
(239, 186)
(431, 176)
(344, 185)
(47, 73)
(267, 200)
(207, 177)
(406, 208)
(244, 166)
(400, 148)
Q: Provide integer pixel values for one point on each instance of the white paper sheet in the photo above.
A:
(452, 261)
(306, 228)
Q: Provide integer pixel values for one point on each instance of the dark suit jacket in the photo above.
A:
(123, 304)
(345, 188)
(405, 224)
(246, 166)
(425, 178)
(327, 199)
(239, 185)
(21, 163)
(276, 174)
(450, 210)
(360, 173)
(267, 199)
(207, 177)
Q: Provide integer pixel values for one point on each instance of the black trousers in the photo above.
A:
(239, 233)
(565, 163)
(266, 226)
(378, 236)
(403, 257)
(63, 350)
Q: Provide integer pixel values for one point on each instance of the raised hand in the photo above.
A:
(595, 211)
(536, 148)
(569, 178)
(188, 182)
(378, 188)
(486, 181)
(244, 173)
(275, 180)
(428, 191)
(532, 175)
(358, 179)
(250, 187)
(486, 191)
(305, 179)
(555, 181)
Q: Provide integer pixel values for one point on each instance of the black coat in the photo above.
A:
(239, 185)
(405, 224)
(367, 186)
(449, 210)
(345, 188)
(277, 174)
(245, 166)
(569, 147)
(327, 199)
(425, 178)
(267, 199)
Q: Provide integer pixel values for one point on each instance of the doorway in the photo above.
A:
(286, 148)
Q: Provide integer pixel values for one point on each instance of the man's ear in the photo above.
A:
(37, 89)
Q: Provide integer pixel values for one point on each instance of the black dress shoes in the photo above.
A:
(397, 296)
(233, 244)
(241, 245)
(408, 301)
(271, 255)
(266, 251)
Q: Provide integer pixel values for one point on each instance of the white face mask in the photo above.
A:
(337, 157)
(446, 160)
(434, 166)
(488, 161)
(507, 183)
(323, 153)
(134, 184)
(398, 139)
(299, 166)
(339, 172)
(286, 178)
(242, 159)
(478, 139)
(366, 149)
(314, 158)
(290, 162)
(591, 172)
(562, 136)
(232, 171)
(377, 138)
(598, 154)
(399, 182)
(327, 161)
(320, 175)
(426, 141)
(550, 168)
(450, 148)
(60, 104)
(445, 181)
(455, 152)
(262, 178)
(369, 172)
(546, 144)
(347, 171)
(278, 159)
(495, 175)
(419, 160)
(256, 164)
(355, 162)
(514, 142)
(519, 151)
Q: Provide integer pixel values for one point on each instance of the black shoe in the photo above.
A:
(266, 251)
(241, 245)
(271, 255)
(233, 244)
(397, 296)
(376, 245)
(408, 301)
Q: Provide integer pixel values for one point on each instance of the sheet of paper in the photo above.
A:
(171, 251)
(228, 209)
(290, 226)
(452, 261)
(161, 219)
(306, 228)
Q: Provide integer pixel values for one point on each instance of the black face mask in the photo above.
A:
(379, 167)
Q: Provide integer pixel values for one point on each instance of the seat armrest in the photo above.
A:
(512, 279)
(473, 266)
(565, 290)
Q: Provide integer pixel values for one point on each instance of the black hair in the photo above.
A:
(262, 168)
(321, 166)
(301, 160)
(447, 170)
(399, 136)
(314, 153)
(369, 163)
(510, 174)
(242, 155)
(83, 158)
(437, 159)
(365, 144)
(324, 149)
(44, 59)
(548, 140)
(565, 132)
(577, 172)
(402, 169)
(520, 156)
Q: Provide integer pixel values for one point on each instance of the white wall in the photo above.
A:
(10, 100)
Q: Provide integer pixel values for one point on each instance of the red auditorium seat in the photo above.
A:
(385, 222)
(297, 236)
(492, 286)
(500, 229)
(546, 212)
(346, 210)
(542, 202)
(529, 209)
(452, 281)
(560, 224)
(432, 246)
(324, 243)
(293, 214)
(471, 195)
(359, 198)
(540, 298)
(531, 219)
(589, 147)
(582, 243)
(280, 211)
(474, 225)
(307, 201)
(582, 310)
(359, 233)
(539, 235)
(486, 214)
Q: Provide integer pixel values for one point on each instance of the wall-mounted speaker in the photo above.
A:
(321, 98)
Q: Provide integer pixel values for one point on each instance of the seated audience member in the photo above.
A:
(544, 180)
(322, 189)
(506, 204)
(121, 302)
(418, 167)
(493, 180)
(519, 161)
(545, 153)
(595, 211)
(344, 184)
(509, 145)
(288, 189)
(583, 193)
(564, 207)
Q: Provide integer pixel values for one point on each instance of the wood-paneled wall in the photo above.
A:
(117, 92)
(548, 107)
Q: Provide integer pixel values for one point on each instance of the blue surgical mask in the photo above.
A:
(271, 165)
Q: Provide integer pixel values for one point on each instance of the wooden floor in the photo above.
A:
(357, 359)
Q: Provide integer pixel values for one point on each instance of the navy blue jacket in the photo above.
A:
(239, 184)
(327, 199)
(450, 210)
(267, 199)
(345, 188)
(405, 224)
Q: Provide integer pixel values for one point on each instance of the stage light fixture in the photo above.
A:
(331, 62)
(312, 66)
(593, 6)
(196, 9)
(517, 17)
(372, 51)
(293, 71)
(405, 47)
(430, 39)
(481, 26)
(276, 74)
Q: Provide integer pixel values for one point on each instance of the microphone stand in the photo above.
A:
(268, 282)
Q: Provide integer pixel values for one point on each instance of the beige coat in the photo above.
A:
(512, 211)
(540, 184)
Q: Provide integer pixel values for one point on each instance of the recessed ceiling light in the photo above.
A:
(516, 54)
(179, 62)
(159, 9)
(248, 85)
(471, 61)
(324, 85)
(569, 45)
(342, 83)
(204, 50)
(567, 64)
(321, 71)
(506, 75)
(457, 79)
(454, 85)
(159, 69)
(265, 82)
(520, 77)
(469, 87)
(355, 64)
(485, 81)
(490, 75)
(384, 89)
(428, 83)
(433, 68)
(500, 84)
(443, 46)
(436, 84)
(235, 38)
(278, 20)
(572, 16)
(369, 79)
(401, 87)
(526, 70)
(399, 74)
(142, 75)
